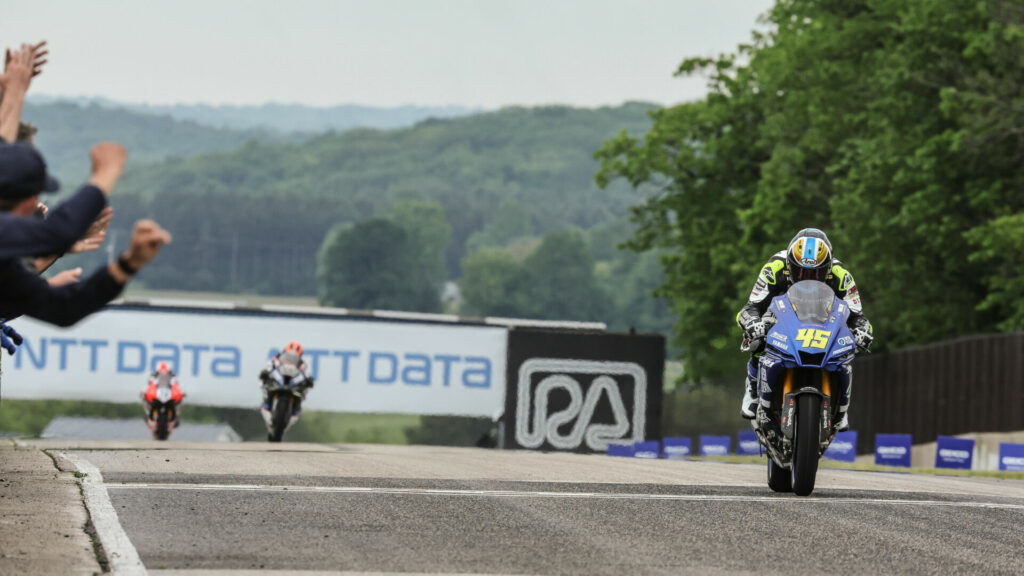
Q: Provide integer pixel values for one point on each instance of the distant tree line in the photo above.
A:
(372, 219)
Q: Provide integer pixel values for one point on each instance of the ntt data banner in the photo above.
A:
(359, 365)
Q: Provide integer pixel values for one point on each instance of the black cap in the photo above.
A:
(23, 172)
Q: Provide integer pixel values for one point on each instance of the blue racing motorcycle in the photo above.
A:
(806, 348)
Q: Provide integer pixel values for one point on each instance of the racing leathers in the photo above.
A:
(775, 280)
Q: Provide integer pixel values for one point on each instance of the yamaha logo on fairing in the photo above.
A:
(558, 398)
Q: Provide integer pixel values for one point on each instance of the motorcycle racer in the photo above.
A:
(291, 354)
(162, 375)
(808, 257)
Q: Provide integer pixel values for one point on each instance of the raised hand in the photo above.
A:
(147, 240)
(96, 233)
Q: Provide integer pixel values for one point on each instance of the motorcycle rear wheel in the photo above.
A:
(805, 440)
(282, 413)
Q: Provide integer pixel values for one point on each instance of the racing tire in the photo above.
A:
(779, 479)
(806, 439)
(162, 430)
(281, 414)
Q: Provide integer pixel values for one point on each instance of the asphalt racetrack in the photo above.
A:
(191, 509)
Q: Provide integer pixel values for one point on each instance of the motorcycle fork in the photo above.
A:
(818, 382)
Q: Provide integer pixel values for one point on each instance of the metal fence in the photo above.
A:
(971, 384)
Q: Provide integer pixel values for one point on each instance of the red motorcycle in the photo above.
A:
(162, 397)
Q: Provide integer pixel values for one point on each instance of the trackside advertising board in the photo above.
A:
(843, 448)
(892, 450)
(714, 445)
(581, 391)
(358, 365)
(649, 449)
(956, 453)
(1011, 457)
(677, 448)
(747, 444)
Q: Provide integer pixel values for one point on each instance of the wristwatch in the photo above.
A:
(125, 267)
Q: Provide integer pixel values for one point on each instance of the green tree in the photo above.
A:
(368, 265)
(511, 220)
(428, 234)
(559, 281)
(491, 284)
(894, 126)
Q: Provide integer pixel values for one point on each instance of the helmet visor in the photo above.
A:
(799, 273)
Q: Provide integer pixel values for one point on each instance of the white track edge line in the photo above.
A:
(548, 494)
(121, 554)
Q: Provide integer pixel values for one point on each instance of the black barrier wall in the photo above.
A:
(972, 384)
(579, 391)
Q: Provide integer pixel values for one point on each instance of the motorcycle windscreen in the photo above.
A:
(811, 300)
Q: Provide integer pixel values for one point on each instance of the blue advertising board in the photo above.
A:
(649, 449)
(893, 449)
(747, 444)
(714, 445)
(1011, 457)
(957, 453)
(622, 450)
(677, 448)
(843, 448)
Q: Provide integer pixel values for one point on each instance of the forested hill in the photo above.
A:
(67, 131)
(284, 118)
(518, 172)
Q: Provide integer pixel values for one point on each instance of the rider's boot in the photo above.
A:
(846, 385)
(749, 407)
(844, 422)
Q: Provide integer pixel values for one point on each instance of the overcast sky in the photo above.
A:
(477, 53)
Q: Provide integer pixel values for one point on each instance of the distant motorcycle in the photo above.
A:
(806, 347)
(285, 386)
(162, 397)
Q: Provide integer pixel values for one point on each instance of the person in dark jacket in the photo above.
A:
(22, 178)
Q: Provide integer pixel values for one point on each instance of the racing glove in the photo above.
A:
(9, 339)
(862, 334)
(755, 330)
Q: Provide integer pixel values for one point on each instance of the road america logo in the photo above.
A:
(536, 424)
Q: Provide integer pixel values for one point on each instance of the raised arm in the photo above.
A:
(20, 66)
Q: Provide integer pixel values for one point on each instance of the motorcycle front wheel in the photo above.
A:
(281, 414)
(805, 440)
(162, 430)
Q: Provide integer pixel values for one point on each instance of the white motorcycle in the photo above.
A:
(286, 387)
